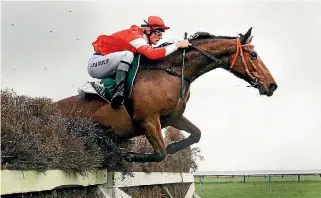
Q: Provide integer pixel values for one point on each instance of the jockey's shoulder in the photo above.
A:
(136, 29)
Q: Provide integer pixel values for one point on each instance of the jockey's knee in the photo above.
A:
(128, 56)
(126, 60)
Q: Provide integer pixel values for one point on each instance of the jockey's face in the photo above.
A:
(156, 36)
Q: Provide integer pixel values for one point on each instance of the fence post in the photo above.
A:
(201, 186)
(270, 185)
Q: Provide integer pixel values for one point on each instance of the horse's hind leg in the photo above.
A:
(119, 120)
(183, 123)
(152, 131)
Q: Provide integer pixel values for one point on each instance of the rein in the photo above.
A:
(182, 71)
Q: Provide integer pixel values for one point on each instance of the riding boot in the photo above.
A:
(118, 95)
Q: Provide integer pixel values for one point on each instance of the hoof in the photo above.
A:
(143, 157)
(171, 149)
(129, 156)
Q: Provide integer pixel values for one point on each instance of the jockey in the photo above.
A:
(115, 53)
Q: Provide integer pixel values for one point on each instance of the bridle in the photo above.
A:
(239, 52)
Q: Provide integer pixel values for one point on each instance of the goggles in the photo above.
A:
(158, 32)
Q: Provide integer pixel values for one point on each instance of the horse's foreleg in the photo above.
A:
(183, 123)
(152, 131)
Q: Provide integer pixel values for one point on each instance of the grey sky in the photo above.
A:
(240, 129)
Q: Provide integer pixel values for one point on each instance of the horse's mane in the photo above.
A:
(198, 36)
(206, 35)
(194, 37)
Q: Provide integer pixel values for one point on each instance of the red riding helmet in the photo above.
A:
(155, 22)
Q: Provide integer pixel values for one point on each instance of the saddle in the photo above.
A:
(105, 87)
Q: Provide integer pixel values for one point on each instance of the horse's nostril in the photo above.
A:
(273, 87)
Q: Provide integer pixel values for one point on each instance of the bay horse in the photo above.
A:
(161, 91)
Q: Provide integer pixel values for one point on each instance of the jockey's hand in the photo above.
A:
(183, 44)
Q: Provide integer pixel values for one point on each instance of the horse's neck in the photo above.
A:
(198, 64)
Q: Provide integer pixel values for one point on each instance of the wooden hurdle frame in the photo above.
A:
(108, 183)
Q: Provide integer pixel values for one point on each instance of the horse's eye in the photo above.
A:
(253, 55)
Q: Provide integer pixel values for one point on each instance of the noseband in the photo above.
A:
(239, 52)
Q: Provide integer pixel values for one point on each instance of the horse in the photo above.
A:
(162, 90)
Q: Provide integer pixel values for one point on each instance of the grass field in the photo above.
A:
(258, 187)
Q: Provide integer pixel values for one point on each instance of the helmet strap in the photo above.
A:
(148, 35)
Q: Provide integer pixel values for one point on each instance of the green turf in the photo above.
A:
(258, 187)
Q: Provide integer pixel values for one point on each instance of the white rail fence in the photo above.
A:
(109, 183)
(269, 173)
(253, 173)
(258, 172)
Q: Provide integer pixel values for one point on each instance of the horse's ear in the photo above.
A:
(249, 39)
(246, 36)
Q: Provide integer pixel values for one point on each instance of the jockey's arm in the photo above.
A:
(152, 53)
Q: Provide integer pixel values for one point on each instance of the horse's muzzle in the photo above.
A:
(268, 92)
(273, 87)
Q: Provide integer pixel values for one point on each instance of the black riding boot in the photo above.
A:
(118, 95)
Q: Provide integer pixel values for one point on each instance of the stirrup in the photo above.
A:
(117, 101)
